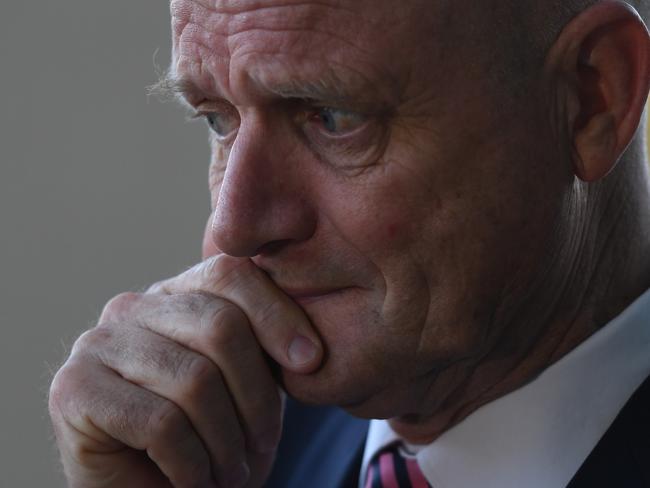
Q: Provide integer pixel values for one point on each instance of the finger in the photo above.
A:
(280, 325)
(219, 330)
(189, 380)
(96, 404)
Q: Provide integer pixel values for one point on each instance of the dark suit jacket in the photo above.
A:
(322, 447)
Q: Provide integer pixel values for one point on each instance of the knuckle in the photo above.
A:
(222, 325)
(118, 306)
(198, 375)
(232, 457)
(195, 303)
(92, 340)
(57, 395)
(167, 423)
(172, 436)
(66, 385)
(236, 447)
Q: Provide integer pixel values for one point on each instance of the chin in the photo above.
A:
(358, 372)
(363, 395)
(324, 388)
(381, 405)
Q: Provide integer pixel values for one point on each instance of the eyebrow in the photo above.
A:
(331, 87)
(172, 87)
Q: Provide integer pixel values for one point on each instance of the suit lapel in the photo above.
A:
(622, 456)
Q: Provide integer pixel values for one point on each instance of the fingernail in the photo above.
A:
(238, 477)
(301, 351)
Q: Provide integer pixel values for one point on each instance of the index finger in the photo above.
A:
(280, 325)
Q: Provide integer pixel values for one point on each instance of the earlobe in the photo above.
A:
(596, 148)
(604, 52)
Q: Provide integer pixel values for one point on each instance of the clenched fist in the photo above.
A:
(173, 388)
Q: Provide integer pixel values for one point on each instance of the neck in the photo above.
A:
(597, 270)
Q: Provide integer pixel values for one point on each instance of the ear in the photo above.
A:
(604, 53)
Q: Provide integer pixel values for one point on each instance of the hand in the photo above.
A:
(172, 387)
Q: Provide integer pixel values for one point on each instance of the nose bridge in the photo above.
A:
(261, 199)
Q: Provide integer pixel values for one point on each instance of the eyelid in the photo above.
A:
(197, 114)
(202, 113)
(222, 110)
(209, 106)
(360, 125)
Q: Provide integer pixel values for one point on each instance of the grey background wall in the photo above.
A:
(101, 190)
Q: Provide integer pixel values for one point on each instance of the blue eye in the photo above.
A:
(337, 122)
(222, 124)
(329, 120)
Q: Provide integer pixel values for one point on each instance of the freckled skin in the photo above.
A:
(445, 232)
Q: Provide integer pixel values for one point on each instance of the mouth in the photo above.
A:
(306, 296)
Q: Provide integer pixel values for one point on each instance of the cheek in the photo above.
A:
(208, 247)
(215, 178)
(374, 218)
(393, 230)
(382, 221)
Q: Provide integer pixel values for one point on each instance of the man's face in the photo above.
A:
(365, 156)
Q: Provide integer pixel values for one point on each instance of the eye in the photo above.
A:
(342, 138)
(337, 122)
(222, 124)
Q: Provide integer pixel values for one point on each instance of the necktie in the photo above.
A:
(390, 469)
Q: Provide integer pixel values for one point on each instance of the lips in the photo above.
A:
(305, 296)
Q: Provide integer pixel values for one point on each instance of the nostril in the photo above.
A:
(272, 247)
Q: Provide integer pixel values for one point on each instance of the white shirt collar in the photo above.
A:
(539, 435)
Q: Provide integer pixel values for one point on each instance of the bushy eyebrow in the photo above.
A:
(172, 87)
(329, 88)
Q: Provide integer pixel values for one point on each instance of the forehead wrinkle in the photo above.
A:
(201, 14)
(247, 6)
(291, 75)
(293, 57)
(215, 27)
(211, 39)
(195, 60)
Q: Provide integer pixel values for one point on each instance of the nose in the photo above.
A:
(262, 202)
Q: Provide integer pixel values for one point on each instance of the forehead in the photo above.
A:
(242, 48)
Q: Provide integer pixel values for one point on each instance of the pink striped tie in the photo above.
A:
(389, 469)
